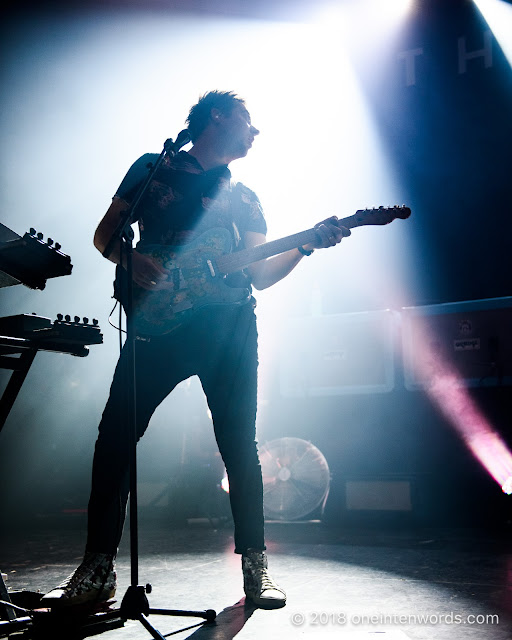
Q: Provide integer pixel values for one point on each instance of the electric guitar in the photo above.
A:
(197, 271)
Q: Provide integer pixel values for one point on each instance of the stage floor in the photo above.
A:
(353, 584)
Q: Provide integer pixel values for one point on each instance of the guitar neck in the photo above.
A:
(240, 259)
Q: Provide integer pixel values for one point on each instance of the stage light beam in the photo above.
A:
(448, 393)
(498, 15)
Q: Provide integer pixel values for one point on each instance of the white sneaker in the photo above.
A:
(258, 584)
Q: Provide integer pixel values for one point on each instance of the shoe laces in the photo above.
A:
(259, 569)
(266, 580)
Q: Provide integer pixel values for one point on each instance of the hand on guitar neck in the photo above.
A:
(329, 233)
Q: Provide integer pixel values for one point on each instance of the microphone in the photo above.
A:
(182, 139)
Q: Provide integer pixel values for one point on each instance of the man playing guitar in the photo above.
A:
(190, 195)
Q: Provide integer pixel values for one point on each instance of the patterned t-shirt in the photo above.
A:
(183, 201)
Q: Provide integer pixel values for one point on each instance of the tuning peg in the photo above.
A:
(58, 246)
(49, 242)
(60, 317)
(32, 231)
(67, 318)
(95, 322)
(85, 320)
(77, 319)
(40, 236)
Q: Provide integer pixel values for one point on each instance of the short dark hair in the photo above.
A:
(199, 114)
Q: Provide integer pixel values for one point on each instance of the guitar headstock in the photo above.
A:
(380, 215)
(35, 237)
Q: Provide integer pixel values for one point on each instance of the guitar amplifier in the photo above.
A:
(329, 355)
(472, 340)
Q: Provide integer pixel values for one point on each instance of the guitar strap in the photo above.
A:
(236, 235)
(237, 205)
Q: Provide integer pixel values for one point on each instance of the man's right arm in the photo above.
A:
(146, 272)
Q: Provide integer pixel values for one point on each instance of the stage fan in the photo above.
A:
(295, 478)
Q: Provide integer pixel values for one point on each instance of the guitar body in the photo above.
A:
(193, 283)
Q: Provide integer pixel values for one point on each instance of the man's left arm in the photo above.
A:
(267, 272)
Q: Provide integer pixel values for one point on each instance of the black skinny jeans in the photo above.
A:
(220, 346)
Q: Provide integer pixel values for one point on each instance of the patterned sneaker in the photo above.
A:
(93, 581)
(258, 584)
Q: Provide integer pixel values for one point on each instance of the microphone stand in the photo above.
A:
(135, 605)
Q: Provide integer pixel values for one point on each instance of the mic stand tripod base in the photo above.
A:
(135, 606)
